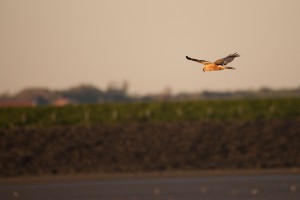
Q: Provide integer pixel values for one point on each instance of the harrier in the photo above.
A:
(219, 64)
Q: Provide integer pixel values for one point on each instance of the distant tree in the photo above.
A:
(41, 101)
(33, 94)
(116, 92)
(4, 96)
(265, 90)
(83, 94)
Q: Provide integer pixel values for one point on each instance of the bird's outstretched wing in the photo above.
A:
(199, 61)
(226, 60)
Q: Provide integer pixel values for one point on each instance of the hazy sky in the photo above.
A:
(63, 43)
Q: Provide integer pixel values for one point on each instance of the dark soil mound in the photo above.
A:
(150, 147)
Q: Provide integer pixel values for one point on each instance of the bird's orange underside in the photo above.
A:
(213, 67)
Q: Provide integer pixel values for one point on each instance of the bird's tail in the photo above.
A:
(229, 67)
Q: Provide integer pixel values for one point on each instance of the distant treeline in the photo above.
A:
(86, 94)
(81, 94)
(161, 112)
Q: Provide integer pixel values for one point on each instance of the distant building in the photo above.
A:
(17, 103)
(63, 102)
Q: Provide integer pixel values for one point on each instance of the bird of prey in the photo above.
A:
(219, 64)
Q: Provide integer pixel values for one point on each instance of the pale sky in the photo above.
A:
(62, 43)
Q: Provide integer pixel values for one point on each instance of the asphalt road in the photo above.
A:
(242, 187)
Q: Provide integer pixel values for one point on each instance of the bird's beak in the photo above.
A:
(203, 70)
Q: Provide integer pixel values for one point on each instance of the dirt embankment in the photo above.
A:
(150, 147)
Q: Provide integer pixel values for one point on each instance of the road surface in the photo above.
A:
(242, 187)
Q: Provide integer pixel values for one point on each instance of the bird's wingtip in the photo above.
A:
(236, 54)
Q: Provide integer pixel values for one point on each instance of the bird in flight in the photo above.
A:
(219, 64)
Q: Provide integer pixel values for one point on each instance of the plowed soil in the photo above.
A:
(145, 147)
